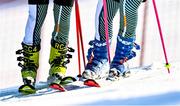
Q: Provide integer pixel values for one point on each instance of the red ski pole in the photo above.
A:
(106, 28)
(80, 32)
(79, 37)
(161, 35)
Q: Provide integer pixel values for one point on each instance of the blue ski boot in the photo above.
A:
(97, 66)
(123, 53)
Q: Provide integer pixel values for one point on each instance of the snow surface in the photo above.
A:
(153, 86)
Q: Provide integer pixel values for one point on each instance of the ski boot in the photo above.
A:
(97, 66)
(29, 62)
(123, 53)
(58, 60)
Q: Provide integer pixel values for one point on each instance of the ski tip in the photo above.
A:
(57, 87)
(27, 89)
(91, 82)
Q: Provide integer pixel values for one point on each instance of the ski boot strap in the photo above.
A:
(62, 50)
(97, 49)
(29, 55)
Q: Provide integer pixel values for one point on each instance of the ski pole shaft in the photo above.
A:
(79, 37)
(80, 33)
(106, 28)
(78, 42)
(161, 35)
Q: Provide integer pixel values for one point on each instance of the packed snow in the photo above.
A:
(152, 86)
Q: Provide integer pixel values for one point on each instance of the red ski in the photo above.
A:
(91, 83)
(64, 81)
(57, 87)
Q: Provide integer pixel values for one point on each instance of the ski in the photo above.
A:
(106, 81)
(67, 83)
(42, 88)
(63, 82)
(91, 83)
(27, 89)
(57, 87)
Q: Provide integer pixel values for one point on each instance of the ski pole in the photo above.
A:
(79, 37)
(106, 28)
(80, 34)
(161, 35)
